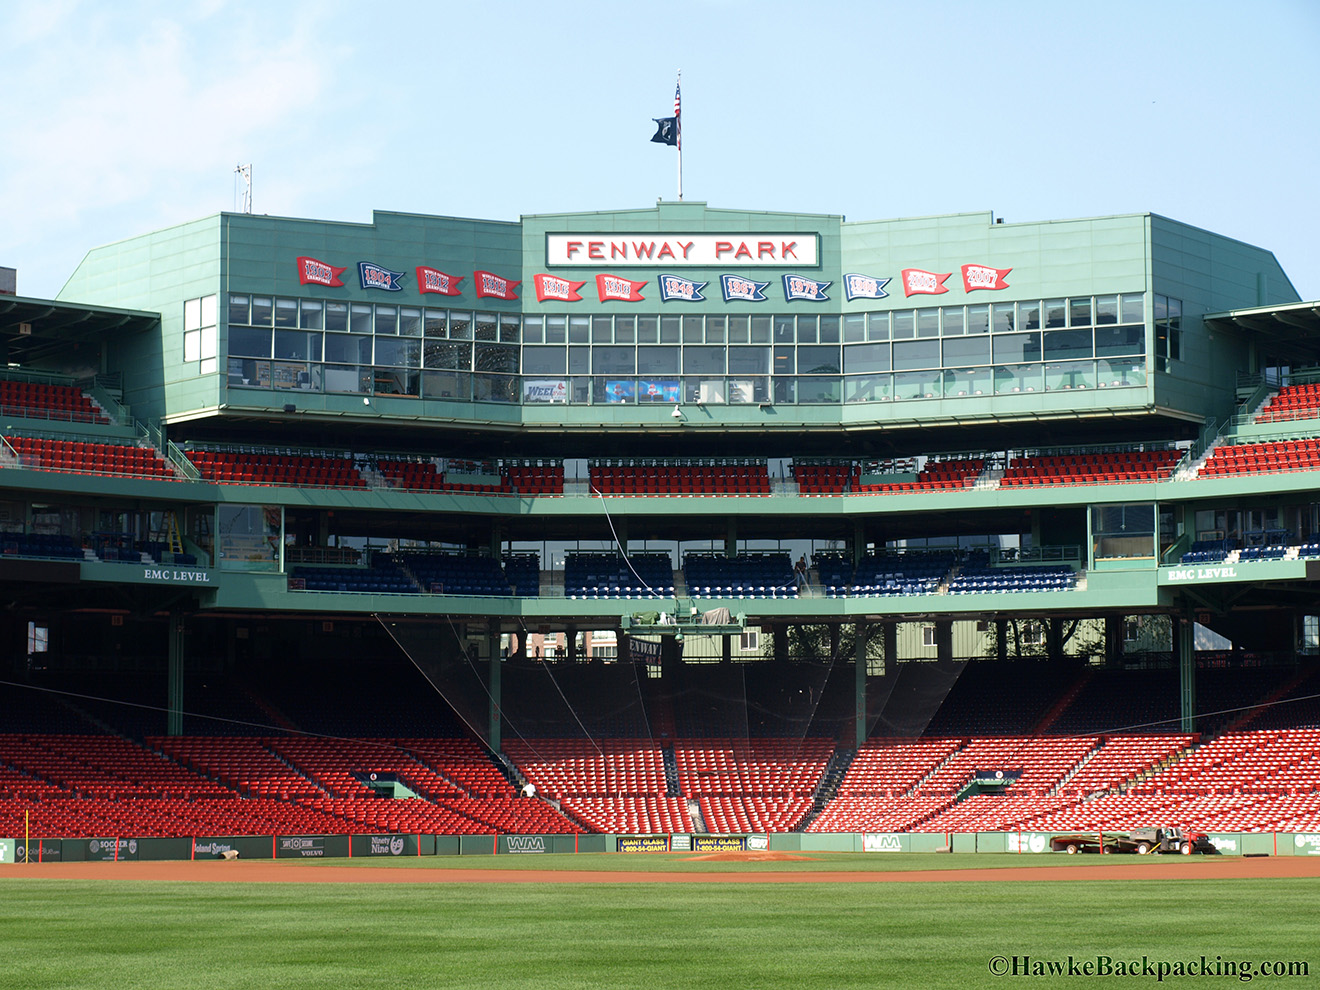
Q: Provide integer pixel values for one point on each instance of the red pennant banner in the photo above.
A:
(983, 277)
(554, 287)
(613, 288)
(434, 280)
(313, 272)
(917, 282)
(491, 286)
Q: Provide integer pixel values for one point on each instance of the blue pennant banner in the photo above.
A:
(676, 288)
(745, 289)
(801, 287)
(375, 277)
(864, 287)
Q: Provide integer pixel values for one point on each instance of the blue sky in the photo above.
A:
(124, 117)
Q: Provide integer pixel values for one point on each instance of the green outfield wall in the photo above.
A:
(409, 845)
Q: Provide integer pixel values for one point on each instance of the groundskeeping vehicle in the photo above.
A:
(1137, 840)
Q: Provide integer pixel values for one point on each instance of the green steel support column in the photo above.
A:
(495, 716)
(669, 656)
(859, 685)
(726, 649)
(730, 537)
(1054, 637)
(890, 632)
(1113, 638)
(1187, 670)
(1001, 639)
(943, 640)
(174, 706)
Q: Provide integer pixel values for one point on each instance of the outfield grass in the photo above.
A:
(78, 934)
(812, 862)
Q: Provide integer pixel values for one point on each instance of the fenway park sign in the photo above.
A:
(745, 249)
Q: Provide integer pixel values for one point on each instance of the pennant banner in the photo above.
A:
(313, 272)
(983, 277)
(917, 282)
(613, 288)
(491, 286)
(375, 277)
(434, 280)
(676, 288)
(743, 289)
(864, 287)
(554, 287)
(808, 289)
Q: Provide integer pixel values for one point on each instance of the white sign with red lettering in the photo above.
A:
(744, 249)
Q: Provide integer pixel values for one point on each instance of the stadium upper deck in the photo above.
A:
(578, 334)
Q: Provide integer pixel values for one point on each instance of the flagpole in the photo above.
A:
(678, 122)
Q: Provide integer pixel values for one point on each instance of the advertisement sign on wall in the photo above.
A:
(545, 390)
(644, 843)
(882, 842)
(719, 843)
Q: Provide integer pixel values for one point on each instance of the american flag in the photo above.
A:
(678, 115)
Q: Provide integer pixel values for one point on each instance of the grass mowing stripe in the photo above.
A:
(813, 862)
(63, 934)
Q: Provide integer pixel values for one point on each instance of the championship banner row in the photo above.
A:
(672, 288)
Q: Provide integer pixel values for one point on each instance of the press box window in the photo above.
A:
(200, 337)
(1168, 332)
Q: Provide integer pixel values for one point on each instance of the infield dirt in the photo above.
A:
(268, 871)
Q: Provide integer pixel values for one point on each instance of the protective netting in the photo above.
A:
(441, 655)
(902, 701)
(791, 700)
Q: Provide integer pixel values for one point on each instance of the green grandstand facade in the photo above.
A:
(885, 313)
(927, 365)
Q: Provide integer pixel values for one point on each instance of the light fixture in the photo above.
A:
(677, 413)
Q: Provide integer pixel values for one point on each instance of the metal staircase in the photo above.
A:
(671, 773)
(698, 821)
(830, 779)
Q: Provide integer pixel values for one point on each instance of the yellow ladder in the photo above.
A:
(169, 532)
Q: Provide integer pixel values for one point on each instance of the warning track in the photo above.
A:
(268, 871)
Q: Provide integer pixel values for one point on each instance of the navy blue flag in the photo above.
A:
(666, 131)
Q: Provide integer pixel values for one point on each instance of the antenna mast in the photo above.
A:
(245, 172)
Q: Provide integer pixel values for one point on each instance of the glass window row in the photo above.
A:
(492, 383)
(808, 328)
(715, 359)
